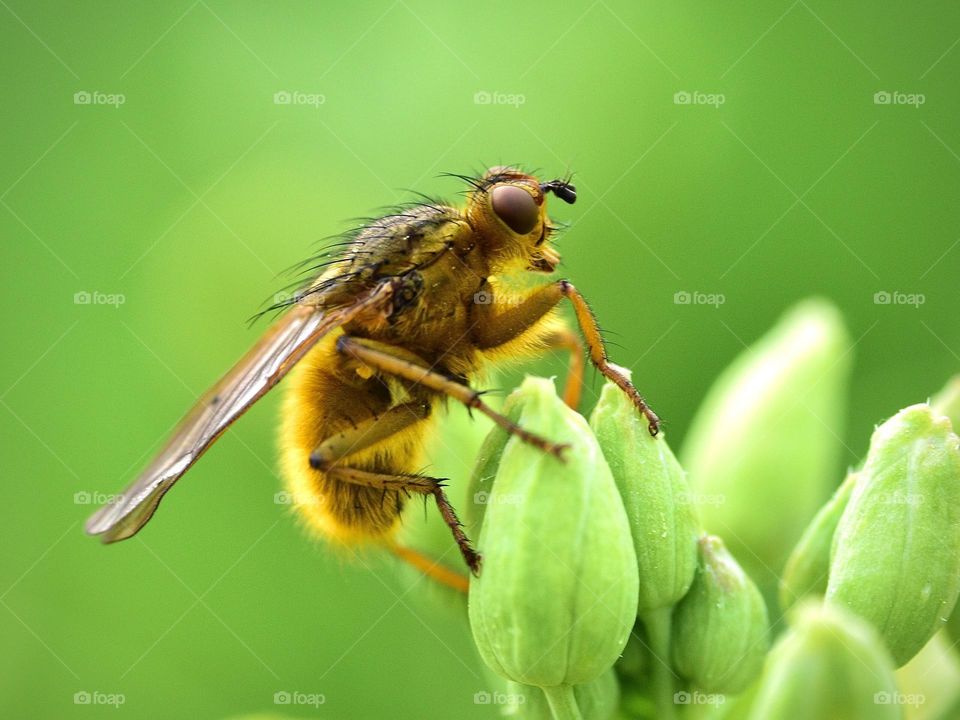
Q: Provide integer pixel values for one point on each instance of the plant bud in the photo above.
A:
(597, 700)
(765, 439)
(655, 494)
(896, 555)
(947, 402)
(720, 634)
(830, 664)
(809, 565)
(480, 484)
(557, 596)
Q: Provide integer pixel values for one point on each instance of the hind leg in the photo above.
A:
(332, 458)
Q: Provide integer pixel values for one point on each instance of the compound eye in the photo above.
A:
(516, 207)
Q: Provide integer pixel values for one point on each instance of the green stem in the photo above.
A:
(657, 623)
(563, 703)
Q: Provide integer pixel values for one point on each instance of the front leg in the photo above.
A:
(389, 360)
(495, 327)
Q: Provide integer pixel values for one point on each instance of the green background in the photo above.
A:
(190, 198)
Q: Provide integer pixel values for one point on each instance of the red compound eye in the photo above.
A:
(516, 207)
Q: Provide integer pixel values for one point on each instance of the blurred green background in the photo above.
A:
(781, 177)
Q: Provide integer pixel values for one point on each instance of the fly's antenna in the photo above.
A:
(562, 189)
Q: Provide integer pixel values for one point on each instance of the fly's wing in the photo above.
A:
(287, 341)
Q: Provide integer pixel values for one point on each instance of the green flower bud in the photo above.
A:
(765, 440)
(809, 565)
(830, 664)
(720, 634)
(655, 494)
(484, 469)
(947, 402)
(896, 555)
(557, 596)
(597, 700)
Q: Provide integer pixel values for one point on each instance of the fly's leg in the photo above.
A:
(386, 359)
(564, 339)
(494, 327)
(598, 353)
(328, 454)
(430, 567)
(366, 433)
(421, 485)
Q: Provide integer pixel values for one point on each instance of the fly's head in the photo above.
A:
(508, 209)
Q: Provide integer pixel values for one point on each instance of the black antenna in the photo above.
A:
(562, 189)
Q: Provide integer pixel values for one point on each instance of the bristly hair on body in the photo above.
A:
(349, 246)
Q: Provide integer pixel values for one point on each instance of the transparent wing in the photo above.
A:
(284, 344)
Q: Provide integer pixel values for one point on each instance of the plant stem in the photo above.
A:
(563, 703)
(657, 622)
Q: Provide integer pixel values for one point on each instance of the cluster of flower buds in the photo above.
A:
(607, 590)
(576, 551)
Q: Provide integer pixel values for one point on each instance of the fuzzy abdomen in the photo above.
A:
(325, 395)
